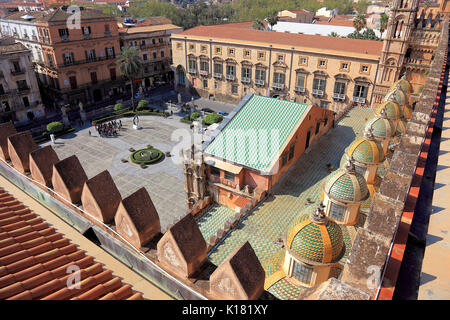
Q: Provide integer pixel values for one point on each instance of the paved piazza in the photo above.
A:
(164, 180)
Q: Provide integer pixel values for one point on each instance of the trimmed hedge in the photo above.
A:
(55, 126)
(119, 107)
(46, 135)
(195, 115)
(142, 105)
(151, 155)
(212, 118)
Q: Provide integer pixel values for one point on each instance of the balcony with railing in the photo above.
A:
(192, 70)
(317, 92)
(16, 72)
(217, 75)
(338, 96)
(299, 89)
(359, 100)
(259, 82)
(278, 86)
(246, 80)
(203, 73)
(89, 60)
(230, 77)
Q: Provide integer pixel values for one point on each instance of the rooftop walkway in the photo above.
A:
(268, 222)
(435, 276)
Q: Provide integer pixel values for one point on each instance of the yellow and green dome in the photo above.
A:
(397, 95)
(406, 112)
(368, 151)
(315, 241)
(404, 84)
(391, 108)
(381, 127)
(401, 128)
(346, 185)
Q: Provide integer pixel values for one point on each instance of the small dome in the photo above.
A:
(346, 185)
(401, 128)
(367, 151)
(391, 108)
(381, 127)
(315, 240)
(397, 95)
(405, 85)
(406, 112)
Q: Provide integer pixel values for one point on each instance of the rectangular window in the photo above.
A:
(301, 81)
(68, 58)
(215, 171)
(203, 49)
(337, 211)
(144, 56)
(22, 85)
(246, 74)
(261, 55)
(280, 58)
(192, 66)
(317, 127)
(291, 151)
(324, 104)
(231, 70)
(278, 77)
(260, 75)
(344, 66)
(218, 68)
(106, 28)
(205, 84)
(284, 159)
(73, 82)
(94, 77)
(229, 176)
(319, 84)
(322, 63)
(246, 53)
(234, 89)
(154, 54)
(86, 30)
(179, 45)
(90, 55)
(360, 91)
(218, 50)
(64, 33)
(162, 53)
(110, 52)
(112, 73)
(204, 66)
(231, 52)
(339, 87)
(26, 102)
(303, 61)
(302, 273)
(365, 69)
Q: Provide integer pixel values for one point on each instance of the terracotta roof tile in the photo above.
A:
(229, 31)
(34, 261)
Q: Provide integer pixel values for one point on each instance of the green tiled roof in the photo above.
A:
(366, 151)
(346, 186)
(247, 138)
(382, 128)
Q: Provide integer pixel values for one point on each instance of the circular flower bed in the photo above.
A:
(146, 156)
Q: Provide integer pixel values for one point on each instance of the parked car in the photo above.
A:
(208, 110)
(223, 113)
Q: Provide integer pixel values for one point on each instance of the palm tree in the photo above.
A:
(130, 65)
(272, 19)
(258, 25)
(383, 23)
(359, 22)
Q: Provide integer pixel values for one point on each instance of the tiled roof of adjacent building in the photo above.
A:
(243, 33)
(149, 28)
(34, 260)
(261, 118)
(58, 15)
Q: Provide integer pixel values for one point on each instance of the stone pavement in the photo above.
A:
(435, 276)
(267, 223)
(163, 180)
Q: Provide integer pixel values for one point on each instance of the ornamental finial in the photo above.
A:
(318, 216)
(350, 165)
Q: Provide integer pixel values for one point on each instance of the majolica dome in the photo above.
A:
(366, 150)
(404, 84)
(381, 127)
(313, 238)
(401, 128)
(406, 112)
(397, 95)
(391, 108)
(346, 185)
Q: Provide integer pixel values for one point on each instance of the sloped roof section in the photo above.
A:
(34, 259)
(256, 134)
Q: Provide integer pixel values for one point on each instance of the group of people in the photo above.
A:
(108, 129)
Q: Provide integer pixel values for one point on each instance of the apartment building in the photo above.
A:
(20, 100)
(78, 64)
(153, 44)
(226, 62)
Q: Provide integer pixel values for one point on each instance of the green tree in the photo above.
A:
(359, 22)
(383, 23)
(258, 25)
(334, 35)
(130, 65)
(272, 19)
